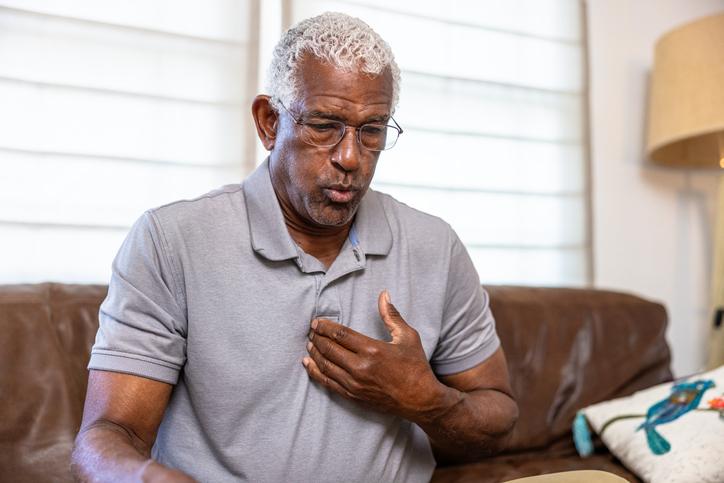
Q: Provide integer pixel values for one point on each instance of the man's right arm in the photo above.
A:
(120, 420)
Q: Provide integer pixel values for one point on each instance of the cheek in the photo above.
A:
(369, 170)
(305, 173)
(297, 160)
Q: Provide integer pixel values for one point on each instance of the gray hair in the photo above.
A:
(345, 42)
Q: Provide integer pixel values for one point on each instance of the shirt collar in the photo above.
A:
(371, 225)
(269, 235)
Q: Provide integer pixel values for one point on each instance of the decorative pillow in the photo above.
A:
(672, 432)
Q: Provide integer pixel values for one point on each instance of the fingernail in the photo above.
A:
(314, 323)
(387, 297)
(309, 346)
(305, 362)
(311, 335)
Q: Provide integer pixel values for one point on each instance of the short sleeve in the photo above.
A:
(468, 334)
(142, 321)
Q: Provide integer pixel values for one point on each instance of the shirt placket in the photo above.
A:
(350, 259)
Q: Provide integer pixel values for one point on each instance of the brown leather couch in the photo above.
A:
(566, 348)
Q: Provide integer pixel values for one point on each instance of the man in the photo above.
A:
(297, 327)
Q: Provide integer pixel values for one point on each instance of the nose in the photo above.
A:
(346, 154)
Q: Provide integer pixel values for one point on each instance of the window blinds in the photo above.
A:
(110, 108)
(492, 103)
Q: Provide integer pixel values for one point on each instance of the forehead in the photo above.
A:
(324, 87)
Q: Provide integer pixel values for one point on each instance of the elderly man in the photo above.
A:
(299, 326)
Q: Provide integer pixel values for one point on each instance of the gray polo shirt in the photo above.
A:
(212, 295)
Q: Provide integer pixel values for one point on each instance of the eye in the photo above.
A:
(374, 128)
(323, 126)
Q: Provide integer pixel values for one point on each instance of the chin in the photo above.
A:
(334, 216)
(331, 220)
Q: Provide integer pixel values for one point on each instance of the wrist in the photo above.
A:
(439, 401)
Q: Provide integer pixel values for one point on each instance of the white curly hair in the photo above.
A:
(345, 42)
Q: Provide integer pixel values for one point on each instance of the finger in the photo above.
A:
(329, 368)
(336, 353)
(324, 379)
(344, 336)
(391, 317)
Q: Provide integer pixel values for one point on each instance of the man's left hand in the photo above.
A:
(393, 377)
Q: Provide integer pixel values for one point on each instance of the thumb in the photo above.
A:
(391, 317)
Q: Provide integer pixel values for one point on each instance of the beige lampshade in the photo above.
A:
(686, 104)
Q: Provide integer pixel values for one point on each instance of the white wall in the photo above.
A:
(652, 226)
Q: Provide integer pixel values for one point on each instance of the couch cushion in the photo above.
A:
(47, 331)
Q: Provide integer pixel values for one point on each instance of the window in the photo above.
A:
(110, 108)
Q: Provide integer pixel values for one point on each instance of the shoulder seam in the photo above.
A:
(213, 194)
(165, 251)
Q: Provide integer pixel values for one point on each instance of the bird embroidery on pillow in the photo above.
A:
(683, 398)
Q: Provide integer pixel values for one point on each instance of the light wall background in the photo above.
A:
(652, 226)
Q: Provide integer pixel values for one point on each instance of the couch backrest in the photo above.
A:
(569, 348)
(566, 348)
(46, 331)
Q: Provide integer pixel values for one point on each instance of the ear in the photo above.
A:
(266, 120)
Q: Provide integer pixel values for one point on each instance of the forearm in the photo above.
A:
(465, 426)
(105, 451)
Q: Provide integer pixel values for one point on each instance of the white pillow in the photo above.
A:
(696, 438)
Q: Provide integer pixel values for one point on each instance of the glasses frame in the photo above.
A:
(299, 121)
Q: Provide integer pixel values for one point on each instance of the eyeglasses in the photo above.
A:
(325, 133)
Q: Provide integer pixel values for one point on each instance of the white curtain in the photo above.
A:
(492, 104)
(109, 108)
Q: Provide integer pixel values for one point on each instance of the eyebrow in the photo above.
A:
(335, 117)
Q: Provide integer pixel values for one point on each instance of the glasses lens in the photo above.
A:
(323, 132)
(326, 133)
(378, 137)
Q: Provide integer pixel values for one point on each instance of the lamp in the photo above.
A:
(686, 127)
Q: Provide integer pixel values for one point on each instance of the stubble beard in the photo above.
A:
(325, 213)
